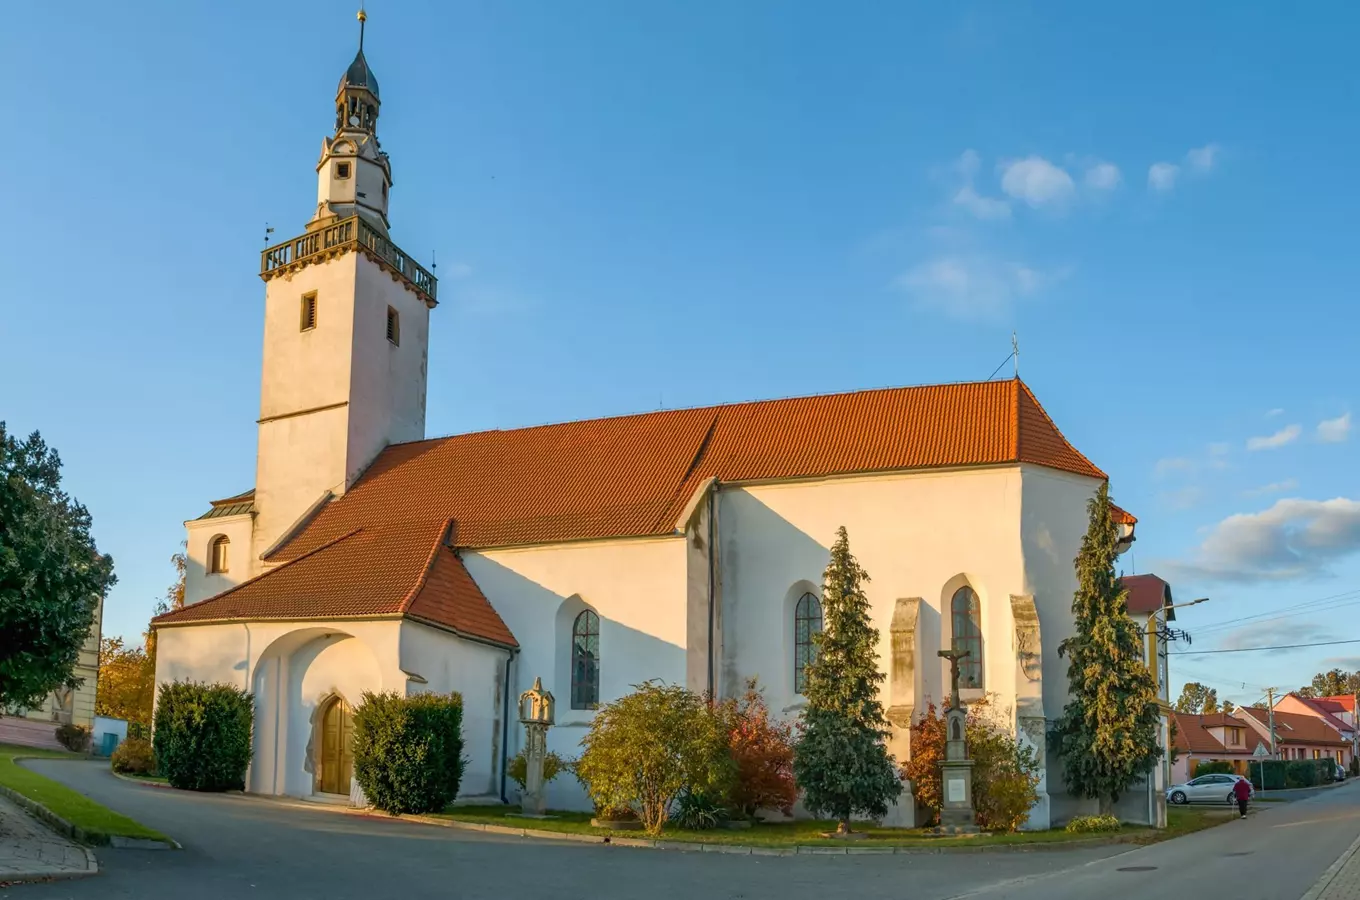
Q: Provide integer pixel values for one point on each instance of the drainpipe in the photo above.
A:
(505, 723)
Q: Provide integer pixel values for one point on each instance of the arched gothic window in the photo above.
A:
(585, 661)
(217, 554)
(965, 615)
(807, 621)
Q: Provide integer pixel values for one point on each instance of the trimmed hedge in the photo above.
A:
(408, 751)
(202, 735)
(1213, 767)
(1300, 773)
(1274, 771)
(1092, 824)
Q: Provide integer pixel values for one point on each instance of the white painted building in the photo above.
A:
(686, 546)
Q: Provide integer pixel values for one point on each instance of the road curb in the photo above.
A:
(82, 835)
(1321, 884)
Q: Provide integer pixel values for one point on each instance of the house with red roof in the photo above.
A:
(1219, 737)
(1297, 735)
(1337, 712)
(684, 545)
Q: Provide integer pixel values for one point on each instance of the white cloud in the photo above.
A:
(1103, 177)
(1036, 181)
(973, 287)
(1203, 159)
(1286, 435)
(981, 207)
(988, 208)
(1290, 540)
(1275, 487)
(1334, 431)
(1162, 176)
(1277, 411)
(1182, 498)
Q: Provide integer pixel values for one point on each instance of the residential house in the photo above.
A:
(36, 726)
(1150, 603)
(1297, 736)
(1214, 738)
(1338, 712)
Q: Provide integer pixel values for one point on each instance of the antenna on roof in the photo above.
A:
(1015, 353)
(267, 232)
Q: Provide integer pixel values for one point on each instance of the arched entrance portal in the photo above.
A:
(335, 763)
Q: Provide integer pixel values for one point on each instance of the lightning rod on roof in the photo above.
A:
(1015, 353)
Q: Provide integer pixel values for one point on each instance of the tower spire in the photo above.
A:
(363, 17)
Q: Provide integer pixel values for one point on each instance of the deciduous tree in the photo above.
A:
(127, 682)
(1107, 735)
(840, 760)
(1197, 699)
(51, 573)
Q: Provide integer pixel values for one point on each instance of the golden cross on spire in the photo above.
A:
(363, 17)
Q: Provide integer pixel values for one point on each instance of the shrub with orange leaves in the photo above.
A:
(763, 752)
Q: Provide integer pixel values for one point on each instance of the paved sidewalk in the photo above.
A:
(1342, 880)
(29, 851)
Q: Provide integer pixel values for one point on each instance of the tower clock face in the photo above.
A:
(354, 120)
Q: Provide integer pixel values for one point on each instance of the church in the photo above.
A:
(683, 545)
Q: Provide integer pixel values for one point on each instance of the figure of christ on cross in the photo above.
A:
(953, 656)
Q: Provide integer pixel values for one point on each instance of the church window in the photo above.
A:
(393, 326)
(585, 661)
(807, 621)
(308, 312)
(217, 554)
(965, 614)
(342, 170)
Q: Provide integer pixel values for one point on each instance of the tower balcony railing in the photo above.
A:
(339, 237)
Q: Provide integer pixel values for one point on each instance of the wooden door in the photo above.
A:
(337, 747)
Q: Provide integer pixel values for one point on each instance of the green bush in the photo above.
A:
(518, 769)
(1326, 770)
(1355, 766)
(75, 738)
(134, 757)
(1213, 767)
(1092, 824)
(408, 751)
(698, 811)
(202, 735)
(1300, 773)
(645, 749)
(1274, 771)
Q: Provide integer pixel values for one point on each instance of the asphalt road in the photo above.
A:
(238, 847)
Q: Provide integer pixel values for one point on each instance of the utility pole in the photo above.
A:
(1270, 715)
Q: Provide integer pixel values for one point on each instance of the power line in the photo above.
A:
(1254, 649)
(1321, 604)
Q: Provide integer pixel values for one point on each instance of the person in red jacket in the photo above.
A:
(1242, 791)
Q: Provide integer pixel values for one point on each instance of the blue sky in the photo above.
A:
(677, 204)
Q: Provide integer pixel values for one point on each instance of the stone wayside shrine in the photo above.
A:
(956, 780)
(536, 712)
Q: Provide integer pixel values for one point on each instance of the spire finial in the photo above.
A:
(363, 17)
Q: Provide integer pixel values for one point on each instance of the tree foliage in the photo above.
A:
(173, 599)
(647, 747)
(923, 768)
(51, 574)
(408, 751)
(127, 682)
(1226, 708)
(202, 737)
(762, 751)
(1107, 735)
(840, 760)
(1332, 683)
(1197, 699)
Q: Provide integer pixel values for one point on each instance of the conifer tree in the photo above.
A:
(1107, 736)
(841, 761)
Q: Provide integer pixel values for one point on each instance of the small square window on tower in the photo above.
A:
(308, 321)
(342, 170)
(393, 326)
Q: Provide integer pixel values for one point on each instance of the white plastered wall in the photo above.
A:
(199, 583)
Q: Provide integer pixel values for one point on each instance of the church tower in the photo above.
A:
(346, 331)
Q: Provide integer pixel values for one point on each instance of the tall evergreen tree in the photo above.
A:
(1107, 736)
(841, 761)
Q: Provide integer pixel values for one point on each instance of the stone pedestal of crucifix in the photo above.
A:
(536, 713)
(956, 778)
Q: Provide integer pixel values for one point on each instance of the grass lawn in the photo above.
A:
(809, 833)
(75, 808)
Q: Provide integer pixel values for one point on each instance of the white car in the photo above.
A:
(1206, 789)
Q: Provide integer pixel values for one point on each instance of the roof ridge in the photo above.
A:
(1021, 387)
(715, 407)
(425, 570)
(265, 574)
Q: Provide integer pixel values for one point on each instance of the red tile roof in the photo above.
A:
(1121, 516)
(378, 550)
(1344, 702)
(1297, 728)
(1147, 593)
(633, 475)
(1326, 710)
(364, 573)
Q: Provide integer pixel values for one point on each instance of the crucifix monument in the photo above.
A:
(956, 808)
(536, 712)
